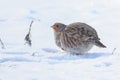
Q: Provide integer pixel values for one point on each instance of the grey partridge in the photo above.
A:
(76, 38)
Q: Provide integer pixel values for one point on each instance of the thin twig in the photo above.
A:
(2, 44)
(113, 50)
(30, 26)
(27, 37)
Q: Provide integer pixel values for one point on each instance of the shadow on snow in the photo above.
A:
(77, 57)
(15, 59)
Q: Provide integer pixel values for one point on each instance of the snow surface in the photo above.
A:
(45, 61)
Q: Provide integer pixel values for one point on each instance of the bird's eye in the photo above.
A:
(57, 26)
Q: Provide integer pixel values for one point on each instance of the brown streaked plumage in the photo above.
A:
(76, 38)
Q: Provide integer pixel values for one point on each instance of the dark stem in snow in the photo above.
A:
(2, 44)
(113, 50)
(27, 37)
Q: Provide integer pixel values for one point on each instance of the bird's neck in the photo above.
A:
(62, 28)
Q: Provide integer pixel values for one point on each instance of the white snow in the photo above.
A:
(43, 60)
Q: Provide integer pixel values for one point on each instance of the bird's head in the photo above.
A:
(58, 27)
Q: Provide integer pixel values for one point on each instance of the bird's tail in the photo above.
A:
(99, 44)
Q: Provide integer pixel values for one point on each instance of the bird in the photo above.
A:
(76, 38)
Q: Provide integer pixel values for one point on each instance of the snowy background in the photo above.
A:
(45, 61)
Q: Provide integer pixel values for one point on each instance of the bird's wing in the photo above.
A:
(81, 31)
(84, 28)
(76, 33)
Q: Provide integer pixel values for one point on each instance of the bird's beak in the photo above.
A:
(52, 26)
